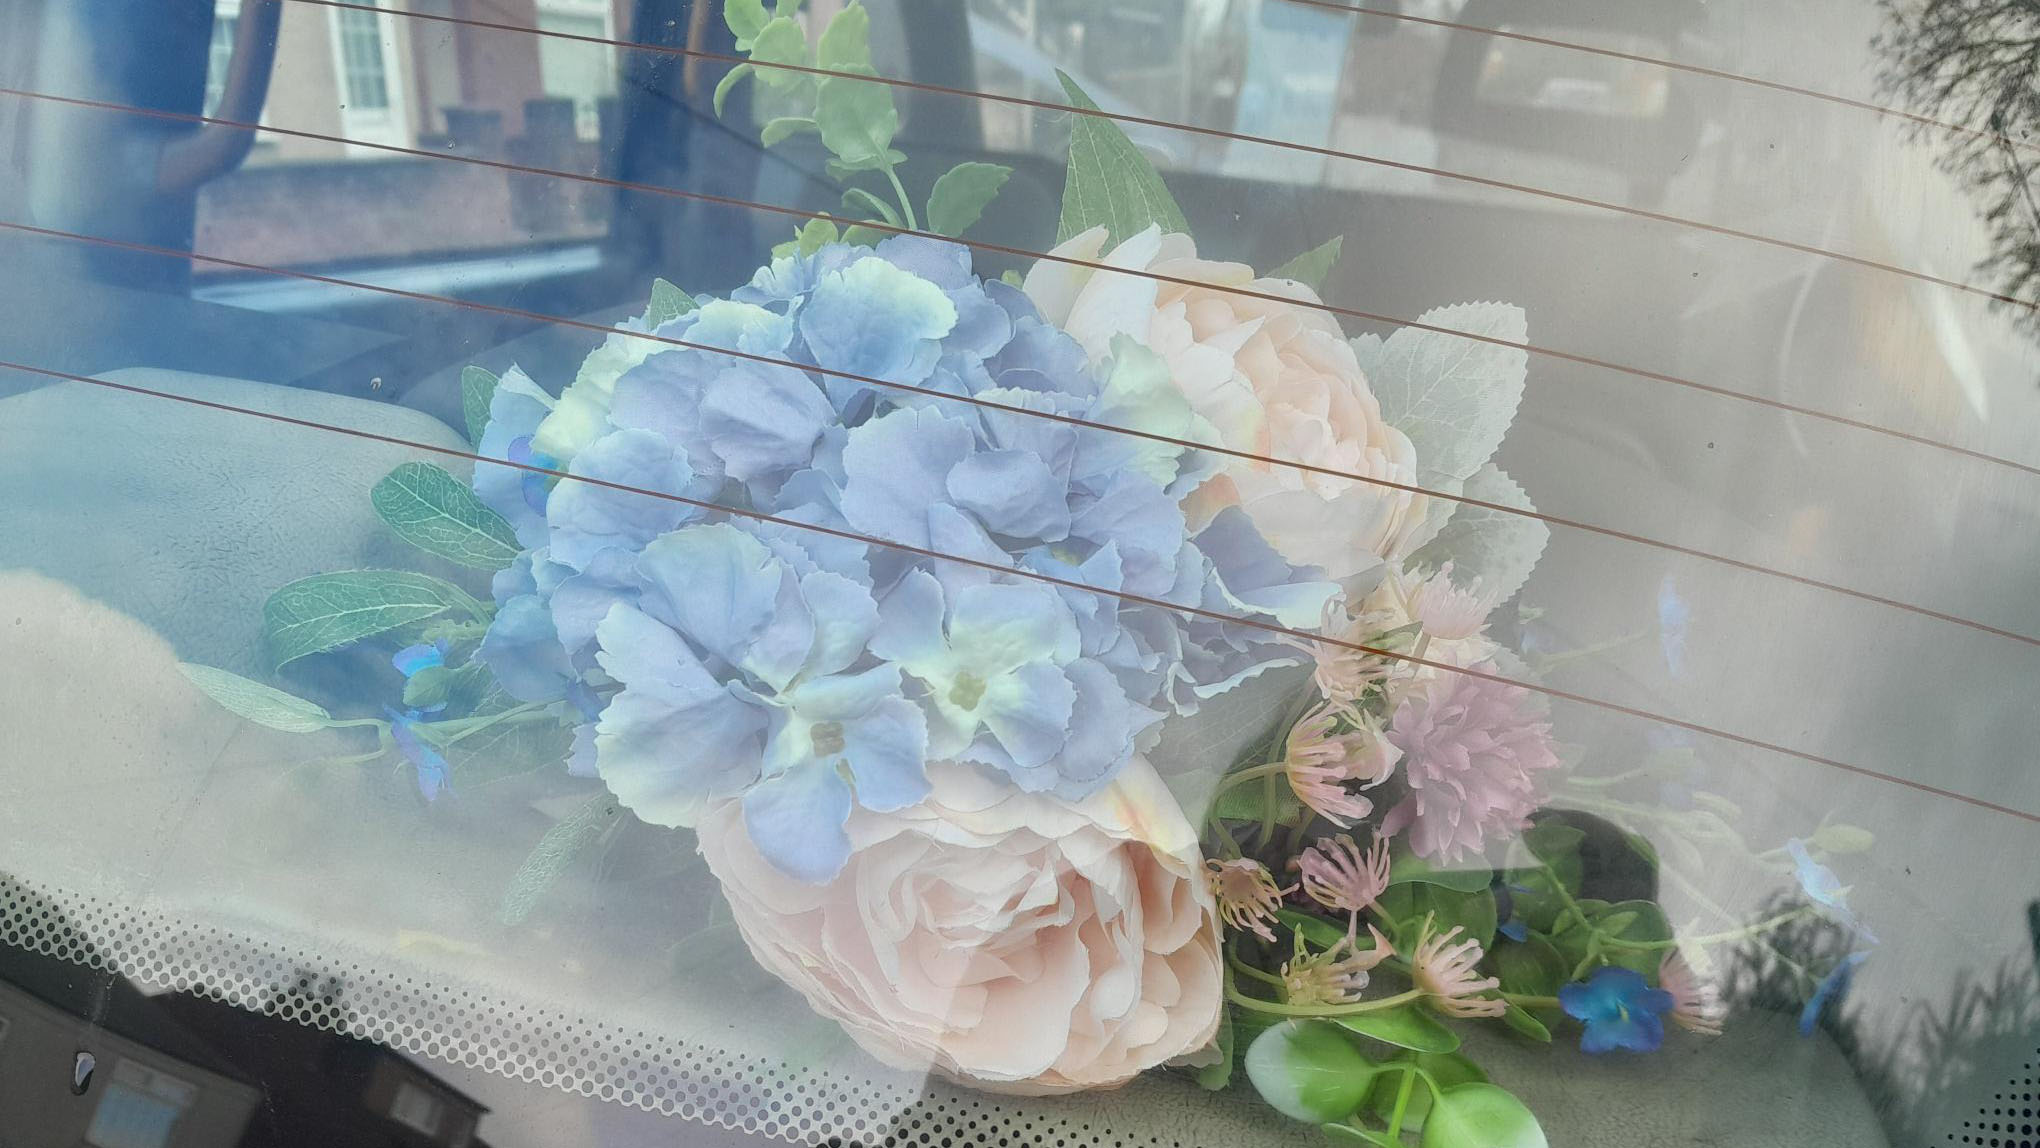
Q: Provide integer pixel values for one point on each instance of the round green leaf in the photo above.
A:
(1447, 1069)
(1531, 967)
(1480, 1116)
(1410, 903)
(1410, 867)
(1308, 1070)
(1408, 1027)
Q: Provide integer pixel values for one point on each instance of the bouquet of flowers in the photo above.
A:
(1065, 675)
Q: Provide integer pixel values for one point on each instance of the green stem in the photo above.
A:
(1402, 1103)
(906, 205)
(1524, 1000)
(1249, 774)
(1276, 1008)
(468, 727)
(343, 723)
(1741, 934)
(1242, 967)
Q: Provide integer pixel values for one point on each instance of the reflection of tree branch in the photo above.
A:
(1977, 63)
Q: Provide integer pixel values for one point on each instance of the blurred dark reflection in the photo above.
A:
(1976, 63)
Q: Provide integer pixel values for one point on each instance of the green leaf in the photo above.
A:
(1213, 1077)
(1530, 968)
(746, 19)
(263, 705)
(1309, 1070)
(439, 514)
(1348, 1134)
(666, 304)
(862, 203)
(859, 236)
(1453, 396)
(1499, 548)
(858, 122)
(1642, 922)
(1011, 278)
(1409, 904)
(1319, 932)
(781, 41)
(459, 689)
(1558, 846)
(783, 128)
(1519, 1018)
(1447, 1069)
(845, 45)
(1311, 267)
(785, 7)
(728, 84)
(809, 238)
(477, 389)
(1408, 1027)
(328, 611)
(555, 851)
(503, 751)
(1405, 867)
(1248, 801)
(962, 194)
(1842, 840)
(1109, 181)
(1479, 1115)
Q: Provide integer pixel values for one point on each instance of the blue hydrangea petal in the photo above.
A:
(1147, 525)
(411, 659)
(1013, 493)
(735, 326)
(523, 650)
(887, 750)
(515, 410)
(943, 262)
(910, 621)
(514, 579)
(714, 583)
(1028, 710)
(845, 617)
(895, 467)
(1039, 357)
(581, 601)
(1248, 576)
(674, 739)
(874, 320)
(663, 395)
(776, 653)
(1053, 441)
(587, 517)
(1138, 395)
(796, 820)
(997, 628)
(581, 758)
(764, 420)
(1104, 731)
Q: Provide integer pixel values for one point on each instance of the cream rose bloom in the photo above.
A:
(1276, 379)
(1007, 940)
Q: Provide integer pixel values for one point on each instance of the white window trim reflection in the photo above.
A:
(379, 125)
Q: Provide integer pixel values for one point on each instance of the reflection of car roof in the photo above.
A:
(1665, 18)
(108, 999)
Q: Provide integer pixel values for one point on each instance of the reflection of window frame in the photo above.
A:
(220, 51)
(586, 118)
(384, 125)
(153, 1086)
(418, 1108)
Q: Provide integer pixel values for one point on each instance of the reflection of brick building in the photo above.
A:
(386, 78)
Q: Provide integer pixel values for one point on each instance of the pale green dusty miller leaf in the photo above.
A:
(666, 304)
(1454, 397)
(858, 122)
(861, 236)
(781, 41)
(780, 130)
(1311, 267)
(1499, 548)
(477, 389)
(845, 45)
(865, 205)
(1109, 181)
(263, 705)
(962, 194)
(746, 19)
(437, 513)
(327, 611)
(561, 846)
(728, 84)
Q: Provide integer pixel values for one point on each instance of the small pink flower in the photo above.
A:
(1246, 893)
(1338, 876)
(1445, 972)
(1327, 767)
(1329, 978)
(1447, 612)
(1471, 748)
(1696, 1003)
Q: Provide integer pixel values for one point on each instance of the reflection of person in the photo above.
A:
(1646, 151)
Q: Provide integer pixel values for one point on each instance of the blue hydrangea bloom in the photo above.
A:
(1619, 1009)
(795, 667)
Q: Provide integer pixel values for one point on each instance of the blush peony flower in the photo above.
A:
(1471, 750)
(1014, 941)
(1274, 377)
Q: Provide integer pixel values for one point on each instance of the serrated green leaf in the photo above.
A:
(327, 611)
(1496, 547)
(554, 853)
(263, 705)
(865, 205)
(666, 304)
(783, 128)
(1453, 396)
(1311, 267)
(814, 235)
(746, 19)
(439, 514)
(845, 45)
(781, 41)
(1405, 867)
(728, 84)
(1480, 1115)
(962, 194)
(477, 389)
(1109, 181)
(1408, 1027)
(1309, 1070)
(858, 122)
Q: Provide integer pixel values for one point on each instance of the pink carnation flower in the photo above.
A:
(1471, 750)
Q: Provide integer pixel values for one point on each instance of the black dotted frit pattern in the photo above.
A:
(2012, 1118)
